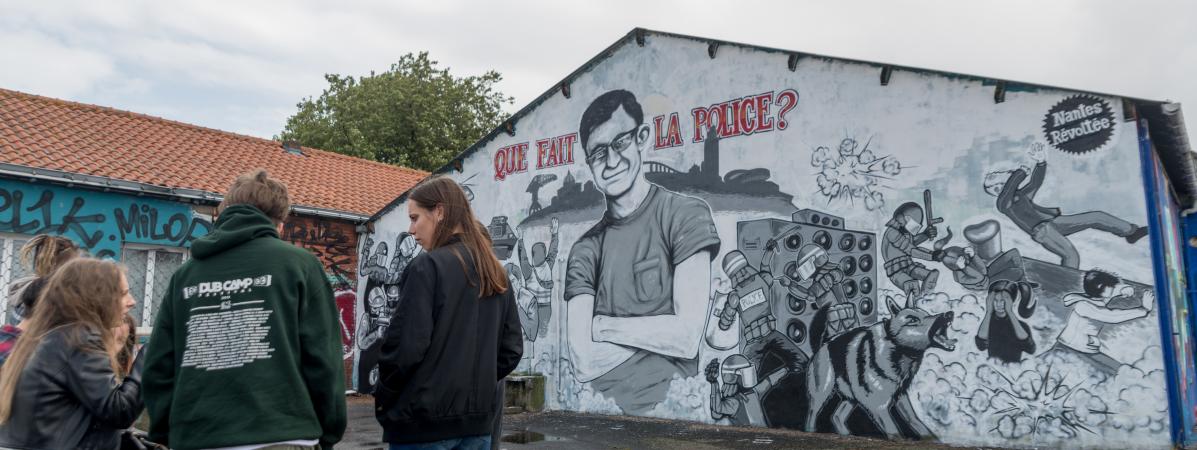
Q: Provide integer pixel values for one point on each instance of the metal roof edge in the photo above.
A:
(939, 72)
(331, 213)
(1166, 129)
(106, 184)
(638, 33)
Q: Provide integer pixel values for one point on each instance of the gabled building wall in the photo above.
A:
(668, 279)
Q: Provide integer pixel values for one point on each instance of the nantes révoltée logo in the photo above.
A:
(1079, 124)
(226, 287)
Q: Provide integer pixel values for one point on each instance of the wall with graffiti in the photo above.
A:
(335, 243)
(732, 235)
(103, 223)
(97, 221)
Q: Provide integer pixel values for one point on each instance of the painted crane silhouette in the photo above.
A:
(534, 188)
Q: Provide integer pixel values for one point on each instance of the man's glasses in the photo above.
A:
(621, 142)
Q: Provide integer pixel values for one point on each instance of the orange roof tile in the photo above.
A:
(48, 133)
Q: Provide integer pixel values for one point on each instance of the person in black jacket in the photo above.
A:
(455, 334)
(59, 387)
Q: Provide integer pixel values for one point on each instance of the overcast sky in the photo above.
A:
(243, 65)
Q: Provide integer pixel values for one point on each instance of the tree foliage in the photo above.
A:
(415, 114)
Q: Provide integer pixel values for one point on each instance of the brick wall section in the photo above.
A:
(334, 242)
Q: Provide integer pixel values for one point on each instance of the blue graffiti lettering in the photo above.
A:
(87, 217)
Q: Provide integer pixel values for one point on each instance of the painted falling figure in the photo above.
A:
(1050, 227)
(538, 276)
(967, 269)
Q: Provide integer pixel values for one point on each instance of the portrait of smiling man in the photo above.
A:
(637, 283)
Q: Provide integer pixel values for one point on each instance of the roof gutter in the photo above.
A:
(330, 213)
(1166, 126)
(106, 184)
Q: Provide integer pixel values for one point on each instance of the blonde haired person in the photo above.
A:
(43, 254)
(59, 388)
(246, 349)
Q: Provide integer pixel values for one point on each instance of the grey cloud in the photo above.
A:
(279, 51)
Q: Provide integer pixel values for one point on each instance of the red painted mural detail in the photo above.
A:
(346, 301)
(335, 244)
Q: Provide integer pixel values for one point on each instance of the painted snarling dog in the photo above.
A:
(871, 368)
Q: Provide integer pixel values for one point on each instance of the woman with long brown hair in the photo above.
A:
(59, 388)
(43, 254)
(455, 334)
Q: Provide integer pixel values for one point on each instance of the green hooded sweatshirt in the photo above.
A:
(246, 348)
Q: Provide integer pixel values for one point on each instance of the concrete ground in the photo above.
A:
(562, 430)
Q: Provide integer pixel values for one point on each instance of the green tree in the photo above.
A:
(415, 114)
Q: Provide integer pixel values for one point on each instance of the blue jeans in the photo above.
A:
(466, 443)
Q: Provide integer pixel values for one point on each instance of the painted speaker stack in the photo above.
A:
(853, 251)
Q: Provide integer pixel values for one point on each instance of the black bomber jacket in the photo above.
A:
(445, 351)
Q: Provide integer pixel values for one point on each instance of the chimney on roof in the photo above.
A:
(292, 147)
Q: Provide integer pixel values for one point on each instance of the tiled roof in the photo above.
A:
(54, 134)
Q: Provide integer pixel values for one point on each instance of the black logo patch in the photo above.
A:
(1079, 124)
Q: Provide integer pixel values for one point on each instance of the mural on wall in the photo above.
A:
(334, 243)
(870, 369)
(631, 325)
(903, 239)
(675, 255)
(346, 304)
(1004, 333)
(1049, 226)
(381, 273)
(533, 283)
(99, 222)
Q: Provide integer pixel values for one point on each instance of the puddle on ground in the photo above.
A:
(527, 437)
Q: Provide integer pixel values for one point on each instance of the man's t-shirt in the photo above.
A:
(628, 265)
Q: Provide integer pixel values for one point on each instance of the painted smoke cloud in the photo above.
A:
(854, 173)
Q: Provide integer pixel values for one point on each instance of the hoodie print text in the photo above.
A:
(230, 334)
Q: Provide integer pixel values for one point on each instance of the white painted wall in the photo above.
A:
(944, 134)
